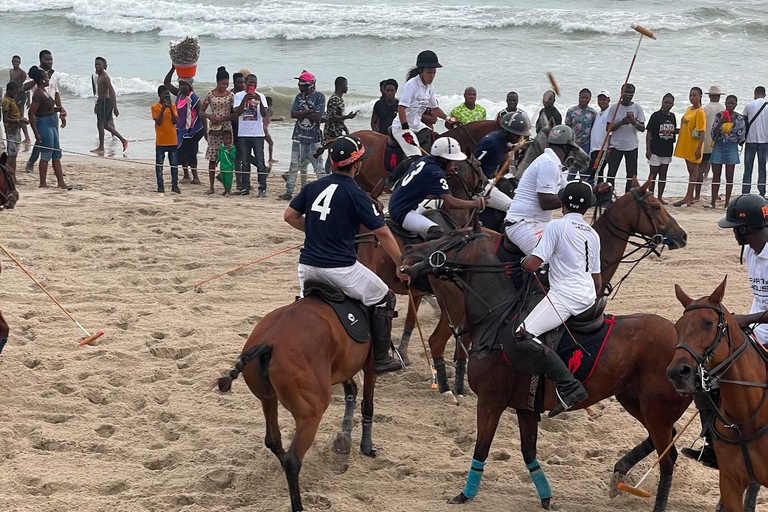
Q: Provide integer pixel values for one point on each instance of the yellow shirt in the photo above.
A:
(165, 133)
(693, 119)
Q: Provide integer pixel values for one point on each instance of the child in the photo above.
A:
(13, 122)
(268, 137)
(165, 115)
(227, 161)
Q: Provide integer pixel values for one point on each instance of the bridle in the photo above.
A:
(468, 191)
(710, 379)
(9, 198)
(648, 244)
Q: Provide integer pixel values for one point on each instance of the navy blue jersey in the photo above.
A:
(424, 180)
(492, 151)
(334, 207)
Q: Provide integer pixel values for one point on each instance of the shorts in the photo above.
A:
(705, 157)
(103, 111)
(656, 160)
(12, 141)
(356, 281)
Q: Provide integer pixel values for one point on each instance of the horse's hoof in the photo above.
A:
(458, 500)
(369, 452)
(342, 443)
(613, 489)
(450, 398)
(547, 504)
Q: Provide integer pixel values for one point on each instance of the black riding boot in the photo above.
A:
(707, 414)
(434, 233)
(569, 389)
(391, 180)
(381, 331)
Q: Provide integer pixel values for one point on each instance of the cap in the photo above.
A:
(305, 77)
(604, 93)
(347, 150)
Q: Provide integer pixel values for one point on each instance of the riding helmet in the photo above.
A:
(577, 196)
(745, 210)
(448, 148)
(516, 122)
(427, 59)
(561, 135)
(347, 150)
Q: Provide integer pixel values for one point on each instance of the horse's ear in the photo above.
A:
(645, 186)
(682, 297)
(635, 183)
(552, 123)
(716, 297)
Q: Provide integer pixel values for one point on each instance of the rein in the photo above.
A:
(711, 379)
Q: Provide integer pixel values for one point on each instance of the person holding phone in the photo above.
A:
(334, 115)
(251, 110)
(165, 115)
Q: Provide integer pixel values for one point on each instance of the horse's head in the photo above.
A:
(468, 180)
(638, 212)
(8, 193)
(704, 334)
(442, 256)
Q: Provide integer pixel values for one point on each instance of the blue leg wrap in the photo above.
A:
(473, 479)
(539, 480)
(2, 344)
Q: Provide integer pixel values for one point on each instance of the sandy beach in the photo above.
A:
(132, 424)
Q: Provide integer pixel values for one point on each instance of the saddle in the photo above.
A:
(353, 315)
(393, 153)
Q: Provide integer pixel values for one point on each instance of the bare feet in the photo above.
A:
(43, 185)
(225, 193)
(62, 186)
(125, 146)
(209, 192)
(662, 201)
(98, 151)
(196, 182)
(271, 161)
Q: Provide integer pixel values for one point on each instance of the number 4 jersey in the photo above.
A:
(424, 180)
(334, 208)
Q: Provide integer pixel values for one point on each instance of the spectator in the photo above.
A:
(252, 109)
(42, 118)
(512, 100)
(385, 109)
(189, 125)
(334, 115)
(19, 76)
(46, 64)
(12, 121)
(308, 109)
(728, 131)
(581, 118)
(267, 121)
(690, 143)
(227, 155)
(106, 106)
(660, 143)
(165, 115)
(221, 100)
(599, 130)
(469, 111)
(756, 142)
(549, 113)
(630, 119)
(711, 109)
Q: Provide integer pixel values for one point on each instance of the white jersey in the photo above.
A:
(572, 248)
(599, 129)
(757, 269)
(543, 176)
(416, 97)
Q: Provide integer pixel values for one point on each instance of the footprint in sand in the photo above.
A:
(106, 431)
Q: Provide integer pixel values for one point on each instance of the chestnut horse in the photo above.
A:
(4, 330)
(715, 353)
(372, 172)
(8, 193)
(632, 364)
(293, 356)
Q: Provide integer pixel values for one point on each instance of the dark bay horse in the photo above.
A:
(293, 356)
(632, 365)
(715, 353)
(4, 330)
(372, 172)
(8, 193)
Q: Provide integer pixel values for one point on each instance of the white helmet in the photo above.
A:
(448, 148)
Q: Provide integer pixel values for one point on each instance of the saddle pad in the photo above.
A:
(352, 315)
(392, 157)
(514, 268)
(582, 364)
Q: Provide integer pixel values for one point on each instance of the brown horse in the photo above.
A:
(293, 356)
(8, 193)
(372, 172)
(713, 353)
(4, 330)
(632, 365)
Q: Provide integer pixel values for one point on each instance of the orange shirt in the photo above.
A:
(165, 134)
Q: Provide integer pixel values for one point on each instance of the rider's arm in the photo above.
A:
(598, 279)
(454, 203)
(755, 318)
(296, 220)
(549, 201)
(531, 263)
(387, 241)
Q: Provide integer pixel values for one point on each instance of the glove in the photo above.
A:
(410, 138)
(451, 120)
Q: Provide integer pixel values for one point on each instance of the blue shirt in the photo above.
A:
(492, 151)
(307, 131)
(334, 207)
(425, 179)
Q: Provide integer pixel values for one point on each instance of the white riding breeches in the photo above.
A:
(417, 223)
(498, 200)
(408, 149)
(551, 312)
(356, 281)
(526, 234)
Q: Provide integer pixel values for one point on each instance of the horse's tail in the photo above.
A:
(262, 351)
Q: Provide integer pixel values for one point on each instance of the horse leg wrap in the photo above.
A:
(539, 480)
(404, 341)
(442, 376)
(634, 456)
(3, 341)
(473, 479)
(349, 414)
(366, 444)
(461, 370)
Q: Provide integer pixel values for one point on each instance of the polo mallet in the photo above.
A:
(89, 337)
(197, 286)
(553, 83)
(432, 370)
(636, 490)
(644, 32)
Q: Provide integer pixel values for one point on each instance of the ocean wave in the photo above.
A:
(299, 20)
(80, 86)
